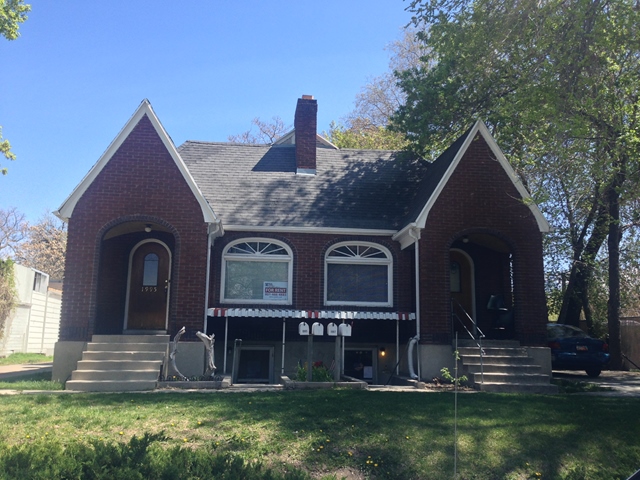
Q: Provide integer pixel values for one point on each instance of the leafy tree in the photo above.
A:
(367, 125)
(45, 246)
(557, 82)
(5, 150)
(268, 132)
(370, 137)
(7, 292)
(12, 14)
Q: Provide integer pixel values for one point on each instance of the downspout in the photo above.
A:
(284, 331)
(414, 232)
(210, 240)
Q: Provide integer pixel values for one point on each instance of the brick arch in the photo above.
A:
(97, 319)
(519, 287)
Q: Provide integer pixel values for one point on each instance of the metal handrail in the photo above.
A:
(629, 360)
(477, 341)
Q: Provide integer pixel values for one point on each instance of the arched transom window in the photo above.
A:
(358, 274)
(257, 271)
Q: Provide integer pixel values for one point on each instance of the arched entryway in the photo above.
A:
(134, 277)
(481, 286)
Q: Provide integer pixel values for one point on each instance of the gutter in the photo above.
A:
(215, 230)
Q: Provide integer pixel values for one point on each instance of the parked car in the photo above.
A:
(573, 349)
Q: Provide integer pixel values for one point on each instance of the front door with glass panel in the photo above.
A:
(148, 287)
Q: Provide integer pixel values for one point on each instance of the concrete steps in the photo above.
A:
(117, 363)
(507, 368)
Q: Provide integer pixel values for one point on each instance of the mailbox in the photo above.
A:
(332, 330)
(317, 329)
(344, 330)
(303, 328)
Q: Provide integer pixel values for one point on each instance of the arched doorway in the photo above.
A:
(482, 286)
(462, 288)
(148, 286)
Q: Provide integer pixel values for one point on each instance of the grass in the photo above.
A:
(22, 358)
(355, 433)
(573, 386)
(31, 381)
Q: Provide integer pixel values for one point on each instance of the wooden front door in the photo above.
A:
(148, 287)
(462, 295)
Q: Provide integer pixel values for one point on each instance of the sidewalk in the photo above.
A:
(13, 371)
(622, 384)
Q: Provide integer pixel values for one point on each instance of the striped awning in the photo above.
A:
(312, 314)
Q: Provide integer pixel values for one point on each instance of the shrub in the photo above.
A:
(319, 373)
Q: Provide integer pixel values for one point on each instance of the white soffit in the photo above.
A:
(482, 129)
(66, 209)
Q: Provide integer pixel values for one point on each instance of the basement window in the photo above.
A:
(257, 271)
(358, 274)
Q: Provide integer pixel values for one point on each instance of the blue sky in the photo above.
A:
(81, 68)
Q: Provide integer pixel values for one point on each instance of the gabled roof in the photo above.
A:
(66, 209)
(456, 152)
(255, 187)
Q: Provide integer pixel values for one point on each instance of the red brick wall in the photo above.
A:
(480, 198)
(306, 126)
(140, 183)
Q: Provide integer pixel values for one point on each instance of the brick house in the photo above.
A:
(248, 241)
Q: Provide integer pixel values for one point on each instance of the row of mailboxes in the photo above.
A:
(317, 329)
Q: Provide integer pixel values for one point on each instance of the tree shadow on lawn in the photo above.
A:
(408, 435)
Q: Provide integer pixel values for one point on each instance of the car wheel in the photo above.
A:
(593, 372)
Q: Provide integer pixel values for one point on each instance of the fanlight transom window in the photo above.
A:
(257, 271)
(358, 274)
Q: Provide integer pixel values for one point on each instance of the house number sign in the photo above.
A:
(149, 289)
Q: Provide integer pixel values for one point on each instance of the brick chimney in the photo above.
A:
(305, 124)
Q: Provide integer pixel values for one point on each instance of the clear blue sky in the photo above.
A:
(81, 68)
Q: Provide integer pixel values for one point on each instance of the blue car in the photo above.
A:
(572, 349)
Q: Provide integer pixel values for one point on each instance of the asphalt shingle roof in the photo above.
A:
(256, 185)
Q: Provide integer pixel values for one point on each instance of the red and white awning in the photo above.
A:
(312, 314)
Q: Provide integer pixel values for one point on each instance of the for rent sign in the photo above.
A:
(274, 291)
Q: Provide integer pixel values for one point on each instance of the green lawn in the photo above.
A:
(22, 358)
(357, 433)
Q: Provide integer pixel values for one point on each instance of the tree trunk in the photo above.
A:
(582, 271)
(613, 305)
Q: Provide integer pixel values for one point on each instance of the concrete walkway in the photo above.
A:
(13, 371)
(622, 384)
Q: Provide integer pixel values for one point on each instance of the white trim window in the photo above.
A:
(358, 273)
(257, 270)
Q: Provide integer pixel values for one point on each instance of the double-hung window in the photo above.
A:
(257, 271)
(358, 273)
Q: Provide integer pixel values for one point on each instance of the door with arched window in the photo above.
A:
(148, 291)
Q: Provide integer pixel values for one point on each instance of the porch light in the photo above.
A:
(147, 228)
(383, 351)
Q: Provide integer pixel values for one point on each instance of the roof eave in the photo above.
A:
(66, 209)
(480, 127)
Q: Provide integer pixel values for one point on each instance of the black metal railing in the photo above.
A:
(481, 335)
